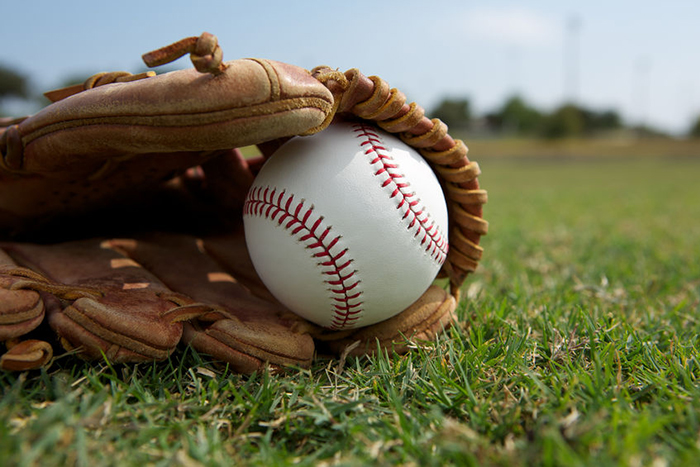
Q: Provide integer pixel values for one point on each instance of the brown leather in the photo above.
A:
(105, 143)
(26, 355)
(107, 303)
(21, 311)
(250, 102)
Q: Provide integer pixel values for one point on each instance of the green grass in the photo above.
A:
(580, 347)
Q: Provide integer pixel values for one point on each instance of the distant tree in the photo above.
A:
(456, 113)
(565, 122)
(695, 129)
(12, 84)
(571, 120)
(516, 116)
(600, 121)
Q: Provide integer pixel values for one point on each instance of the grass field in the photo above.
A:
(580, 347)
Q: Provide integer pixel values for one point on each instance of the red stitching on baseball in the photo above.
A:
(432, 239)
(280, 207)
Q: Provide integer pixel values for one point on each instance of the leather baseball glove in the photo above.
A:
(120, 213)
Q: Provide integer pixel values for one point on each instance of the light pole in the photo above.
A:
(571, 60)
(643, 72)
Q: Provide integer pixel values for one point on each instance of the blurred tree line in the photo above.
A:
(12, 84)
(516, 117)
(695, 129)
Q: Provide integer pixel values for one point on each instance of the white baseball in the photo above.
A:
(347, 227)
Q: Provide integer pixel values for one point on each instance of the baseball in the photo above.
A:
(347, 227)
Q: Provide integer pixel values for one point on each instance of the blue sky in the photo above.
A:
(638, 57)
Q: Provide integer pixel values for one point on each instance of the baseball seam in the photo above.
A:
(416, 216)
(297, 218)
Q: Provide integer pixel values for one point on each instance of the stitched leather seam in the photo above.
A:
(303, 224)
(418, 219)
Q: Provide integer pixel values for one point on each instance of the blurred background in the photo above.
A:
(547, 70)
